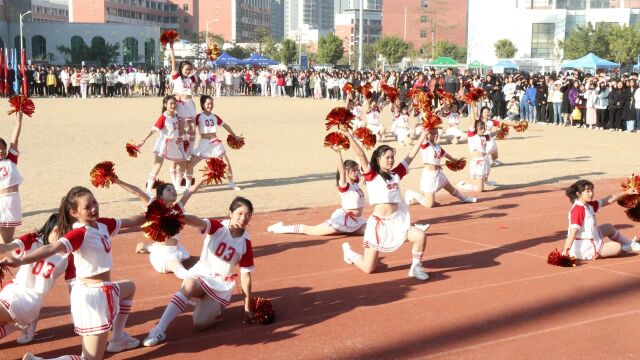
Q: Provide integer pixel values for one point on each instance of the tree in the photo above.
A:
(624, 44)
(260, 36)
(104, 54)
(586, 39)
(288, 51)
(239, 52)
(505, 49)
(270, 48)
(445, 48)
(392, 48)
(370, 56)
(330, 49)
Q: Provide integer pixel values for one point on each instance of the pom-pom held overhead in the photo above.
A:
(162, 222)
(348, 88)
(102, 174)
(473, 94)
(430, 120)
(365, 136)
(21, 103)
(556, 258)
(169, 37)
(521, 126)
(132, 150)
(214, 171)
(503, 131)
(235, 143)
(390, 92)
(445, 97)
(262, 311)
(456, 165)
(365, 90)
(340, 117)
(336, 139)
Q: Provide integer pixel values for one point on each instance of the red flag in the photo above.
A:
(22, 71)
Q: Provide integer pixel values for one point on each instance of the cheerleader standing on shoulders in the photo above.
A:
(22, 298)
(585, 239)
(401, 126)
(390, 225)
(356, 109)
(453, 134)
(347, 219)
(433, 178)
(212, 280)
(374, 120)
(169, 146)
(184, 82)
(480, 165)
(10, 180)
(210, 146)
(97, 304)
(166, 256)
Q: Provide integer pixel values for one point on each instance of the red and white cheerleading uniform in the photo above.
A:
(480, 167)
(351, 198)
(357, 122)
(23, 296)
(169, 145)
(491, 146)
(432, 180)
(374, 123)
(220, 253)
(401, 127)
(588, 242)
(10, 207)
(453, 119)
(386, 234)
(185, 109)
(160, 254)
(93, 306)
(209, 148)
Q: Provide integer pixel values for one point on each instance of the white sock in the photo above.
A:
(173, 174)
(288, 229)
(232, 184)
(181, 273)
(458, 195)
(150, 181)
(7, 329)
(618, 237)
(416, 258)
(68, 357)
(117, 331)
(177, 305)
(350, 254)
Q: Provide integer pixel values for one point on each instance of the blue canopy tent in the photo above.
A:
(225, 59)
(500, 67)
(257, 59)
(589, 61)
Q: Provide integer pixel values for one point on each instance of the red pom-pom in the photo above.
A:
(390, 92)
(262, 311)
(21, 103)
(456, 165)
(348, 88)
(103, 174)
(169, 37)
(412, 92)
(214, 171)
(235, 143)
(444, 97)
(162, 222)
(132, 150)
(521, 126)
(503, 131)
(634, 214)
(365, 90)
(213, 51)
(473, 94)
(365, 135)
(336, 139)
(556, 258)
(430, 120)
(340, 117)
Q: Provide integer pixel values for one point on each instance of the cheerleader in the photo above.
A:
(97, 304)
(356, 109)
(453, 134)
(169, 145)
(226, 244)
(166, 256)
(184, 82)
(585, 239)
(479, 142)
(485, 116)
(10, 180)
(401, 127)
(22, 298)
(210, 146)
(390, 225)
(374, 121)
(347, 219)
(433, 178)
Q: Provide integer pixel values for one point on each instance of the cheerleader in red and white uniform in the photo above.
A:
(22, 298)
(169, 145)
(401, 127)
(347, 219)
(390, 224)
(479, 142)
(433, 178)
(227, 244)
(492, 147)
(585, 239)
(374, 120)
(98, 305)
(10, 180)
(184, 83)
(453, 134)
(356, 109)
(166, 256)
(210, 146)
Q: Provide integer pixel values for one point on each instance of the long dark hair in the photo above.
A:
(69, 202)
(577, 188)
(181, 65)
(348, 164)
(48, 227)
(375, 165)
(240, 201)
(160, 189)
(165, 100)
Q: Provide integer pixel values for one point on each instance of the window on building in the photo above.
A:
(150, 52)
(77, 49)
(423, 33)
(571, 4)
(130, 50)
(600, 4)
(542, 40)
(39, 48)
(572, 24)
(634, 19)
(423, 18)
(185, 7)
(424, 4)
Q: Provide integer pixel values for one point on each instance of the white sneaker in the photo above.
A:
(30, 356)
(234, 187)
(496, 163)
(469, 199)
(418, 272)
(491, 183)
(422, 227)
(633, 246)
(28, 333)
(274, 227)
(345, 249)
(155, 336)
(126, 343)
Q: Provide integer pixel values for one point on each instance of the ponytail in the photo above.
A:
(68, 203)
(48, 227)
(577, 188)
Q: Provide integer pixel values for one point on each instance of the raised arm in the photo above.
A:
(362, 157)
(416, 147)
(191, 190)
(133, 221)
(133, 190)
(341, 170)
(172, 59)
(615, 197)
(42, 252)
(196, 222)
(16, 131)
